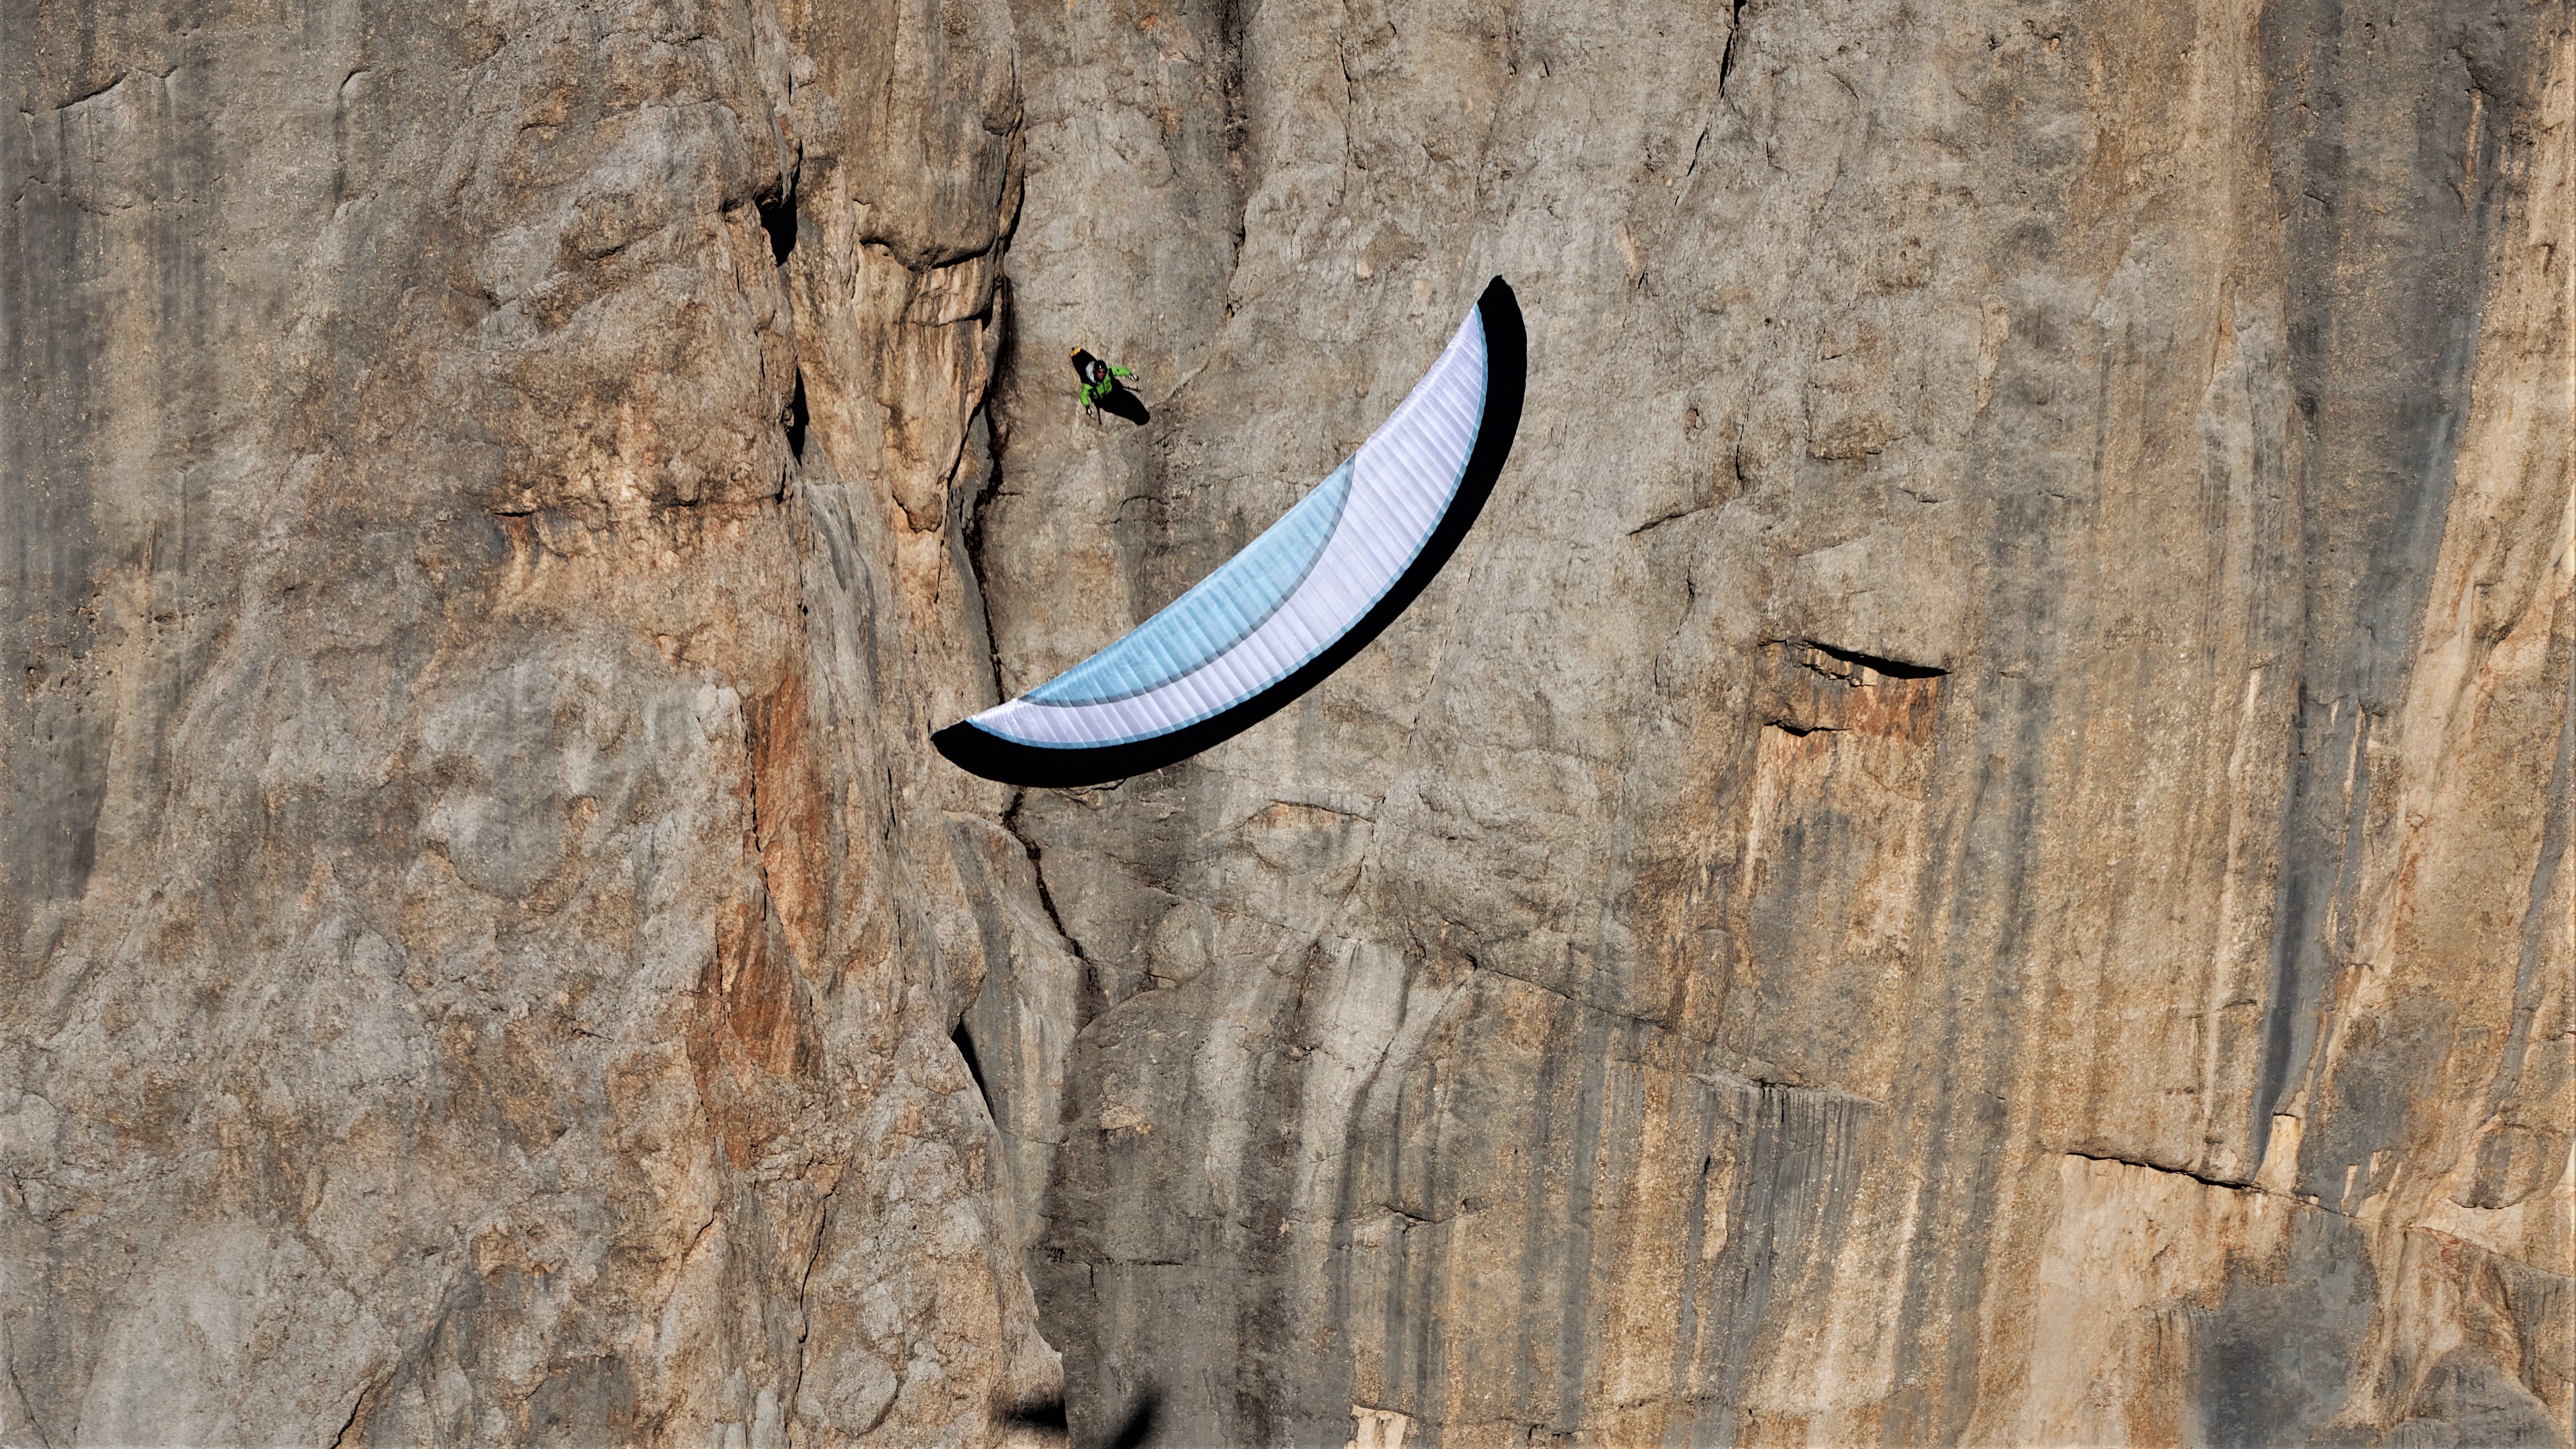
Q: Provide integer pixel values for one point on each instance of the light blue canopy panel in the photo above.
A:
(1217, 614)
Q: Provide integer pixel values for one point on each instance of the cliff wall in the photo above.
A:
(1974, 850)
(483, 925)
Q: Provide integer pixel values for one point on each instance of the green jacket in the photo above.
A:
(1093, 392)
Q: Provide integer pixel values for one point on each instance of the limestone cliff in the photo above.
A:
(1974, 850)
(483, 927)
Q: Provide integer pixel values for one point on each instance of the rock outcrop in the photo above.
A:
(1974, 850)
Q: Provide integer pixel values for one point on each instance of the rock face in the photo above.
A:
(482, 926)
(1975, 849)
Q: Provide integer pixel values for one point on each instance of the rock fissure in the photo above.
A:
(1675, 516)
(2204, 1179)
(1037, 872)
(1726, 56)
(357, 1407)
(1878, 664)
(799, 418)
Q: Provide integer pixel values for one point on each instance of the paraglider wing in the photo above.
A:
(1305, 596)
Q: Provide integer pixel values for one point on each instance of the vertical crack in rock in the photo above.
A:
(1010, 822)
(798, 417)
(1726, 57)
(778, 220)
(964, 1040)
(972, 538)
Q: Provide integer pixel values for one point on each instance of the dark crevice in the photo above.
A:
(1892, 668)
(2225, 1184)
(964, 1041)
(357, 1410)
(974, 542)
(1037, 872)
(1675, 515)
(797, 419)
(1468, 1207)
(1802, 730)
(2204, 1179)
(1726, 58)
(1696, 146)
(976, 509)
(778, 218)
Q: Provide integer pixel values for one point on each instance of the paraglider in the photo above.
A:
(1309, 593)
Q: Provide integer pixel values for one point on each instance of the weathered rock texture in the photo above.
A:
(1976, 849)
(482, 926)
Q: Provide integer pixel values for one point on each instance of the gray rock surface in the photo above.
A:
(482, 926)
(1974, 850)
